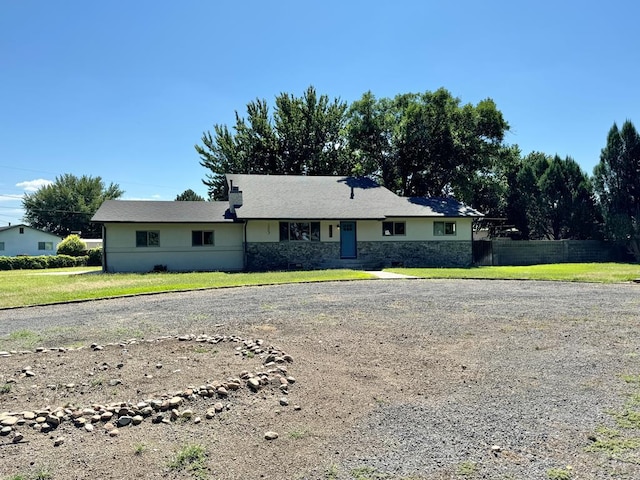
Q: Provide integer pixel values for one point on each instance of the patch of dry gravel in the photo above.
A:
(395, 378)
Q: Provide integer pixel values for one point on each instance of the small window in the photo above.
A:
(146, 238)
(1, 245)
(45, 245)
(393, 228)
(200, 238)
(21, 230)
(300, 231)
(444, 228)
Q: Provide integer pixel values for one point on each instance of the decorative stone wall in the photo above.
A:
(371, 255)
(291, 255)
(448, 253)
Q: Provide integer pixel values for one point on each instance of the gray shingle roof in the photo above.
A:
(141, 211)
(324, 197)
(434, 207)
(288, 197)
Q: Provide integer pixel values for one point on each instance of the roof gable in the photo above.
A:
(22, 225)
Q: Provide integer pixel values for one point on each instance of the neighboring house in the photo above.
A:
(24, 240)
(275, 222)
(92, 242)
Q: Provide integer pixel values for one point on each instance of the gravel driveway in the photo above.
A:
(416, 378)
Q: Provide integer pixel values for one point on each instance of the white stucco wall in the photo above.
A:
(16, 243)
(175, 249)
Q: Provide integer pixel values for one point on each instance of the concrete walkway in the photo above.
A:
(389, 275)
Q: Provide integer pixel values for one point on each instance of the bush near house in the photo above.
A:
(72, 245)
(42, 262)
(94, 257)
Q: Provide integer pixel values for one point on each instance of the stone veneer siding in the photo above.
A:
(371, 255)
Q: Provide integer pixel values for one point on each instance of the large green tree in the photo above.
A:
(617, 183)
(310, 134)
(425, 144)
(487, 189)
(567, 200)
(370, 136)
(189, 196)
(523, 198)
(551, 198)
(304, 136)
(67, 205)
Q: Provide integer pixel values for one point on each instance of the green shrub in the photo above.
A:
(6, 263)
(43, 261)
(81, 261)
(29, 263)
(94, 257)
(72, 245)
(61, 261)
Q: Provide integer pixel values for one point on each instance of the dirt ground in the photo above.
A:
(388, 380)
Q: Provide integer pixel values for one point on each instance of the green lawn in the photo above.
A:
(36, 287)
(566, 272)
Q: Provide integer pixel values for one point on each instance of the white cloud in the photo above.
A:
(33, 185)
(152, 197)
(10, 197)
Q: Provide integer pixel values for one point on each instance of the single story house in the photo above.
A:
(275, 222)
(25, 240)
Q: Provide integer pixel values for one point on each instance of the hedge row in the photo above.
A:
(93, 258)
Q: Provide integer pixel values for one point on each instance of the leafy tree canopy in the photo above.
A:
(424, 144)
(189, 196)
(67, 205)
(415, 144)
(551, 198)
(303, 137)
(617, 184)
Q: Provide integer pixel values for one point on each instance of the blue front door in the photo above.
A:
(348, 240)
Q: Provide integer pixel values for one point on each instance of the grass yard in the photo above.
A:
(565, 272)
(37, 287)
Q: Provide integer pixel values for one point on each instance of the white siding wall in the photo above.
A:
(175, 249)
(263, 231)
(92, 242)
(417, 229)
(16, 243)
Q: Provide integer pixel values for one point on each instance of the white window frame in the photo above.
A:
(45, 246)
(300, 231)
(204, 235)
(152, 238)
(444, 229)
(395, 229)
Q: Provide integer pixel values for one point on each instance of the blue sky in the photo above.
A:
(124, 89)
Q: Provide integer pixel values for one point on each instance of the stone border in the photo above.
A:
(161, 409)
